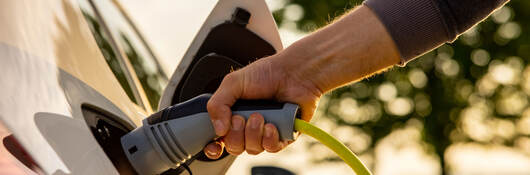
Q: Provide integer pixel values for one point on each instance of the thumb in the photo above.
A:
(219, 104)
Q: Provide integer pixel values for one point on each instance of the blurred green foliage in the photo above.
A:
(472, 90)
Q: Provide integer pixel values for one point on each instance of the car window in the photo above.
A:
(108, 50)
(151, 77)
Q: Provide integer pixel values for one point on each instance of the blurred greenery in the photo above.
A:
(474, 90)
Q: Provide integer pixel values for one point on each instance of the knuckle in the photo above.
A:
(232, 76)
(212, 105)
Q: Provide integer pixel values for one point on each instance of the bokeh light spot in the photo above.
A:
(293, 12)
(400, 106)
(502, 15)
(502, 73)
(417, 78)
(387, 91)
(480, 57)
(509, 30)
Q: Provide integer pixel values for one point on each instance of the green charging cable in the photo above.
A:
(332, 143)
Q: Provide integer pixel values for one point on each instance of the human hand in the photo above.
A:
(266, 78)
(354, 47)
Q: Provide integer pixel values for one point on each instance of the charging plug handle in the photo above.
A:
(171, 136)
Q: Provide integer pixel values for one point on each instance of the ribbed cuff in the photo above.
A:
(416, 26)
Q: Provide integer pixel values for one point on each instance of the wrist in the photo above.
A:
(294, 85)
(332, 56)
(294, 66)
(308, 60)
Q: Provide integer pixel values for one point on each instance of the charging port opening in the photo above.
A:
(108, 132)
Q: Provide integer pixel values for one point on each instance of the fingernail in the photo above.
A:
(209, 150)
(268, 132)
(254, 123)
(210, 153)
(219, 127)
(237, 124)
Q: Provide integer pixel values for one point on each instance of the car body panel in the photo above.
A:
(40, 41)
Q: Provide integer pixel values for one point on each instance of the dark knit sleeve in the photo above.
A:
(417, 26)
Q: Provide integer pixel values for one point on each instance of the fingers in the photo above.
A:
(235, 138)
(219, 104)
(254, 134)
(271, 139)
(213, 150)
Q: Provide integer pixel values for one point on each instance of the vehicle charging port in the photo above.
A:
(108, 132)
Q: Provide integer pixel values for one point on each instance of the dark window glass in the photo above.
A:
(110, 54)
(152, 79)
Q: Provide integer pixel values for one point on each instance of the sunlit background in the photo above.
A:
(460, 109)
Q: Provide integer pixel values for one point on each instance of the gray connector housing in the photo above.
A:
(153, 149)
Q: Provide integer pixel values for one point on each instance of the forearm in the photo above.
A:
(333, 56)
